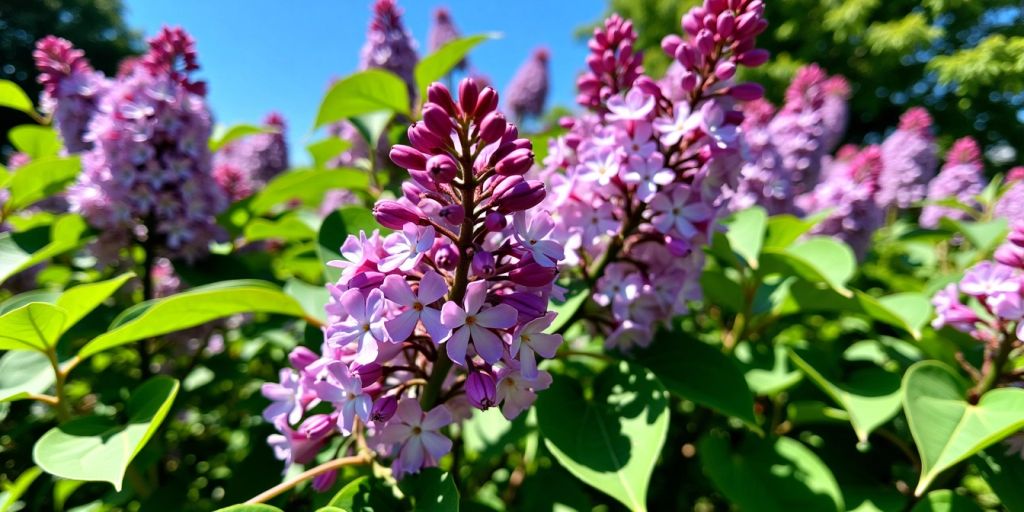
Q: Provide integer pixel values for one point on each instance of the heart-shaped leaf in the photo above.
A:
(35, 141)
(191, 308)
(817, 260)
(368, 91)
(767, 369)
(948, 429)
(365, 493)
(611, 438)
(98, 449)
(431, 490)
(869, 394)
(769, 475)
(686, 365)
(82, 299)
(785, 229)
(324, 150)
(22, 373)
(40, 179)
(12, 96)
(34, 326)
(306, 186)
(746, 233)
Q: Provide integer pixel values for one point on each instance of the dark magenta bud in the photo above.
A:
(529, 305)
(486, 103)
(469, 91)
(753, 58)
(395, 215)
(453, 214)
(317, 425)
(324, 481)
(483, 264)
(495, 221)
(437, 120)
(423, 139)
(532, 275)
(747, 91)
(439, 95)
(384, 408)
(368, 373)
(366, 281)
(492, 127)
(301, 357)
(521, 196)
(516, 163)
(442, 168)
(446, 257)
(408, 158)
(481, 389)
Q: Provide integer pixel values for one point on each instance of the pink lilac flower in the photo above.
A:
(287, 407)
(648, 174)
(407, 247)
(674, 212)
(364, 325)
(337, 385)
(531, 231)
(71, 89)
(442, 32)
(634, 105)
(474, 323)
(613, 65)
(910, 157)
(960, 179)
(528, 91)
(517, 393)
(1011, 203)
(849, 196)
(244, 166)
(682, 123)
(389, 45)
(530, 339)
(432, 288)
(416, 436)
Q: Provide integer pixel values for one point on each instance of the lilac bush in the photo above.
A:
(244, 166)
(527, 93)
(960, 179)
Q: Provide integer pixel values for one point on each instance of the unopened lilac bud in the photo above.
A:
(748, 91)
(521, 196)
(446, 257)
(726, 24)
(1016, 236)
(442, 168)
(437, 120)
(423, 139)
(753, 58)
(368, 373)
(383, 408)
(688, 82)
(492, 127)
(1010, 255)
(453, 214)
(395, 215)
(408, 158)
(439, 95)
(516, 163)
(649, 86)
(324, 481)
(725, 70)
(317, 426)
(301, 357)
(717, 6)
(495, 221)
(671, 43)
(469, 91)
(486, 103)
(481, 389)
(483, 264)
(366, 281)
(678, 247)
(532, 275)
(529, 305)
(691, 24)
(705, 42)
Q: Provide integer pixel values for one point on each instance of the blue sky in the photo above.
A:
(263, 55)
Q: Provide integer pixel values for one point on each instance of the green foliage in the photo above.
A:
(306, 186)
(435, 66)
(35, 141)
(40, 179)
(431, 490)
(11, 96)
(222, 135)
(23, 373)
(365, 92)
(19, 251)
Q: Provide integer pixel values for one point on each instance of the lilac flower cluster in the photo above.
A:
(148, 173)
(244, 166)
(788, 148)
(613, 64)
(442, 32)
(1011, 203)
(638, 184)
(528, 91)
(71, 89)
(910, 156)
(463, 282)
(961, 179)
(389, 45)
(994, 292)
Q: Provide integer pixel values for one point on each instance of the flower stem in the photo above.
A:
(62, 407)
(993, 368)
(279, 489)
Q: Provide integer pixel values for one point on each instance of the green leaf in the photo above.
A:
(431, 490)
(223, 135)
(948, 429)
(945, 500)
(869, 394)
(785, 229)
(1003, 470)
(11, 96)
(97, 449)
(766, 368)
(191, 308)
(245, 507)
(438, 64)
(818, 260)
(22, 373)
(40, 179)
(11, 493)
(686, 365)
(312, 298)
(290, 227)
(906, 311)
(335, 229)
(19, 251)
(745, 233)
(34, 326)
(82, 299)
(913, 310)
(365, 493)
(769, 475)
(35, 141)
(306, 186)
(611, 438)
(985, 235)
(368, 91)
(567, 310)
(324, 150)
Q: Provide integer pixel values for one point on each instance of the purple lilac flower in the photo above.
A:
(148, 174)
(528, 91)
(910, 157)
(1011, 203)
(471, 266)
(442, 32)
(849, 197)
(960, 179)
(71, 89)
(244, 166)
(613, 64)
(389, 45)
(995, 307)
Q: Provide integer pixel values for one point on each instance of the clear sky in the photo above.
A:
(263, 55)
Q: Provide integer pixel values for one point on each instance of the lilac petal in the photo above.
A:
(545, 344)
(397, 290)
(457, 343)
(367, 349)
(375, 304)
(401, 327)
(431, 319)
(394, 433)
(437, 418)
(354, 303)
(501, 316)
(409, 411)
(452, 315)
(275, 392)
(363, 406)
(432, 287)
(411, 456)
(435, 444)
(476, 292)
(487, 344)
(552, 251)
(393, 261)
(528, 362)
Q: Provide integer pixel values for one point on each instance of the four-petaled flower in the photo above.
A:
(474, 323)
(344, 389)
(286, 404)
(530, 339)
(648, 174)
(406, 248)
(673, 130)
(417, 305)
(674, 210)
(601, 167)
(517, 393)
(364, 325)
(531, 233)
(635, 106)
(416, 436)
